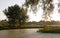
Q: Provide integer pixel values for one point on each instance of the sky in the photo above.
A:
(5, 3)
(32, 17)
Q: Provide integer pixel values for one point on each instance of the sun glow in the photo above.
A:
(35, 16)
(56, 17)
(38, 16)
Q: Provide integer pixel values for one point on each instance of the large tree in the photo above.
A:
(16, 14)
(46, 5)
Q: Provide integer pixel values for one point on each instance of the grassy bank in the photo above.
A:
(50, 29)
(5, 26)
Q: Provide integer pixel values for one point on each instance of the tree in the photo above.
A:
(47, 6)
(16, 14)
(59, 7)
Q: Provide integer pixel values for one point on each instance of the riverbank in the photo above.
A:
(45, 28)
(50, 29)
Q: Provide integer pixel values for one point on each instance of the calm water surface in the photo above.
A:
(26, 33)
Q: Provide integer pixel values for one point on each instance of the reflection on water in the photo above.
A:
(26, 33)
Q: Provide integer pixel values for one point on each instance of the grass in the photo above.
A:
(50, 29)
(47, 29)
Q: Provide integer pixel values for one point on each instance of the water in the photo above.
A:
(26, 33)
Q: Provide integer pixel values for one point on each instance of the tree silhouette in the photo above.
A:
(16, 14)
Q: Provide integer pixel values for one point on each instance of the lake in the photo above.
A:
(27, 33)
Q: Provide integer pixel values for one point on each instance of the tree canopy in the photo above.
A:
(16, 14)
(46, 5)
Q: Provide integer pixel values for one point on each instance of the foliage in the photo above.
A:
(31, 3)
(16, 14)
(47, 6)
(58, 7)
